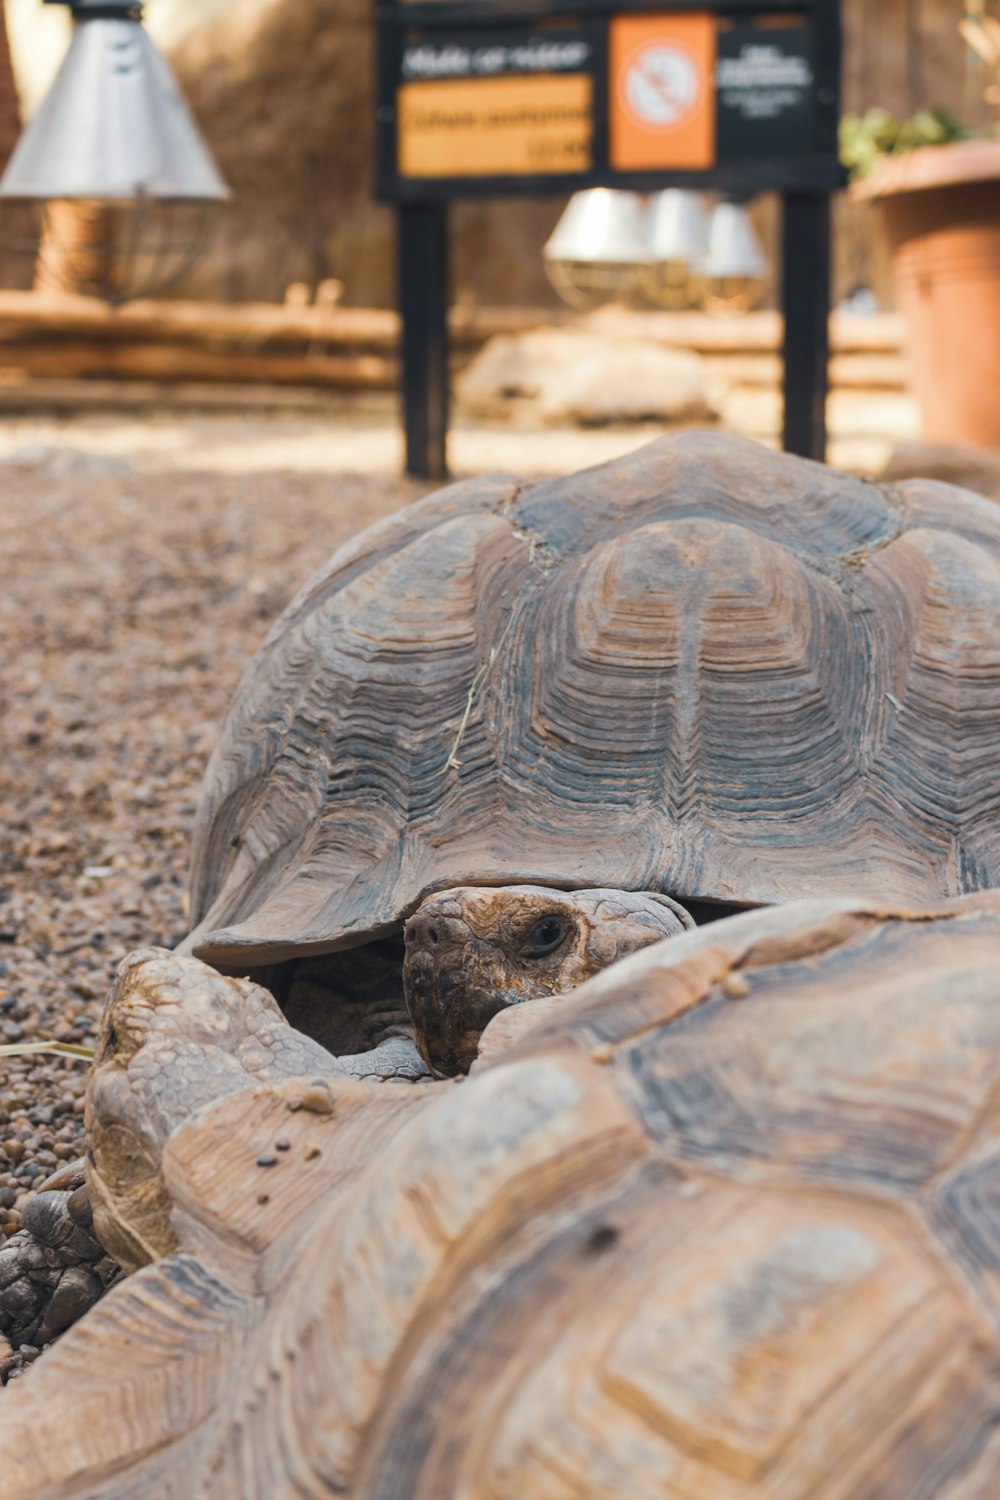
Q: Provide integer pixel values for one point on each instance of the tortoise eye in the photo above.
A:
(545, 936)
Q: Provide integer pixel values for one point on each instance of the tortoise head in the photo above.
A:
(474, 950)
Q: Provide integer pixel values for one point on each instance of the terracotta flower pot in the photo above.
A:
(941, 209)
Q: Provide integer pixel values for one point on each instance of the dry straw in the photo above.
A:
(55, 1049)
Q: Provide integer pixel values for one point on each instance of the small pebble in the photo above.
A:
(283, 1145)
(267, 1160)
(735, 986)
(263, 1197)
(312, 1152)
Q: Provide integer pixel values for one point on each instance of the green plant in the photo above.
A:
(865, 138)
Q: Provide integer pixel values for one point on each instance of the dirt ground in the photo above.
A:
(351, 435)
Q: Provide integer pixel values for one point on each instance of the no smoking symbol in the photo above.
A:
(661, 85)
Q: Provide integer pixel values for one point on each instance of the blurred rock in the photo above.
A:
(568, 375)
(976, 469)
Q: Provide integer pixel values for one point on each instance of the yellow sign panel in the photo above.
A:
(484, 127)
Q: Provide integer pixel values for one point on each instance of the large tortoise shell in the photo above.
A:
(723, 1224)
(708, 669)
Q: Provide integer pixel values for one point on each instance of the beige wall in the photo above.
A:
(284, 94)
(39, 34)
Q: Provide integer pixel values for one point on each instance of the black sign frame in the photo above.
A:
(805, 181)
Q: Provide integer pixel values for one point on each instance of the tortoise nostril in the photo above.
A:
(434, 933)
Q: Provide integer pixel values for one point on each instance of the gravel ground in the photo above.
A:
(131, 602)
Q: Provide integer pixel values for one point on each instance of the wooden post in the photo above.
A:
(806, 306)
(423, 305)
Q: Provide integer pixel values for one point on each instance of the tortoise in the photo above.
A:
(700, 678)
(721, 1224)
(705, 671)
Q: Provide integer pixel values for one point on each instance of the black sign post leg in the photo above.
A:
(806, 305)
(423, 305)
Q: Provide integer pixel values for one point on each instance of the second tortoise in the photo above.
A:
(723, 1224)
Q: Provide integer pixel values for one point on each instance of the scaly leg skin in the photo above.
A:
(175, 1035)
(51, 1271)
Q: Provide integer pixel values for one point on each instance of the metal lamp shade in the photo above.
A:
(677, 226)
(113, 128)
(733, 248)
(601, 226)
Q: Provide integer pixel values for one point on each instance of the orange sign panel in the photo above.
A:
(483, 127)
(662, 95)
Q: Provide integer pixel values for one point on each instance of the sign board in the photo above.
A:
(487, 98)
(484, 96)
